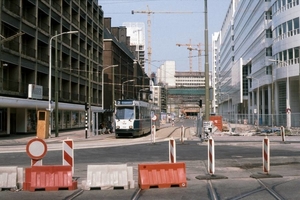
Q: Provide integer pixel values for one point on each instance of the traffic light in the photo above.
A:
(86, 106)
(200, 103)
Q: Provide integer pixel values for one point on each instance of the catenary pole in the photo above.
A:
(207, 106)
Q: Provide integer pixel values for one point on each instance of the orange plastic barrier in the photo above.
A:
(54, 177)
(161, 175)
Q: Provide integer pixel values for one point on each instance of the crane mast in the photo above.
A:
(190, 48)
(149, 12)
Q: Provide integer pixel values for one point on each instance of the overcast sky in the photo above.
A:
(167, 30)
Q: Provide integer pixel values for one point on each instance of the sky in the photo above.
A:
(186, 23)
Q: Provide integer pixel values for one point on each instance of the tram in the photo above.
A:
(134, 118)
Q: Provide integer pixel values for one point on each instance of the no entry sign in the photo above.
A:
(36, 148)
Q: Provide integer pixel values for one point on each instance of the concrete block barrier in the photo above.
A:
(8, 177)
(20, 177)
(105, 177)
(49, 178)
(161, 175)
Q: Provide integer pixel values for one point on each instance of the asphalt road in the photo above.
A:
(237, 158)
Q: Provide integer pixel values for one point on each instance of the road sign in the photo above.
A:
(36, 148)
(154, 118)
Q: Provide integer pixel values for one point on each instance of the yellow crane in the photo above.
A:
(190, 48)
(149, 12)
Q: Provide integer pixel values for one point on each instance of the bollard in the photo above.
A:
(153, 133)
(182, 134)
(172, 151)
(282, 132)
(211, 156)
(266, 155)
(86, 124)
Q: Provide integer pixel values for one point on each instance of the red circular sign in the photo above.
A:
(36, 149)
(154, 118)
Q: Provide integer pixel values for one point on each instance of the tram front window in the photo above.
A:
(125, 113)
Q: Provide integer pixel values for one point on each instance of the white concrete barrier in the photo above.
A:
(20, 177)
(108, 177)
(8, 177)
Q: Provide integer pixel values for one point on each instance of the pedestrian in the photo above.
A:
(110, 127)
(100, 128)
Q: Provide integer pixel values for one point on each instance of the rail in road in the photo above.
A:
(237, 168)
(264, 189)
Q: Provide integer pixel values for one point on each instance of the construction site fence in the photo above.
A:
(264, 119)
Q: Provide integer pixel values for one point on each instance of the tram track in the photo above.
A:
(213, 193)
(263, 187)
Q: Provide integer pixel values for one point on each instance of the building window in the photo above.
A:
(268, 15)
(269, 51)
(269, 70)
(268, 33)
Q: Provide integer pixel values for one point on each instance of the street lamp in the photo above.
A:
(251, 77)
(288, 109)
(103, 83)
(50, 67)
(123, 86)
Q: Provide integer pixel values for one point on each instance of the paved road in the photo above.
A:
(237, 158)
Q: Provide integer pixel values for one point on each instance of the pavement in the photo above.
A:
(80, 135)
(240, 176)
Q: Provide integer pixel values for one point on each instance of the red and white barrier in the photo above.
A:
(211, 155)
(68, 153)
(172, 151)
(266, 155)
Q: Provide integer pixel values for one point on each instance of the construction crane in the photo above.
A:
(149, 12)
(190, 48)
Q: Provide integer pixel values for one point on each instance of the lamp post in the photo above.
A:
(251, 77)
(288, 109)
(103, 83)
(123, 86)
(50, 67)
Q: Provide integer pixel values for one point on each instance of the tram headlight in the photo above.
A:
(130, 127)
(117, 127)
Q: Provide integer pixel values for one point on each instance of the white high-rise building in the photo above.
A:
(257, 62)
(166, 74)
(136, 31)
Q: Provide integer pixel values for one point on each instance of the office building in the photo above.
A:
(257, 62)
(27, 27)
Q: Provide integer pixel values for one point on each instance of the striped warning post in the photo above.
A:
(211, 155)
(172, 151)
(266, 155)
(182, 134)
(68, 153)
(36, 162)
(153, 133)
